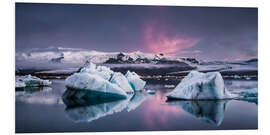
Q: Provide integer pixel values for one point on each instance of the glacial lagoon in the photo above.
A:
(44, 110)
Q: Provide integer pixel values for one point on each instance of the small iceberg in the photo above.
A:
(30, 81)
(201, 86)
(102, 82)
(169, 86)
(248, 95)
(211, 112)
(151, 92)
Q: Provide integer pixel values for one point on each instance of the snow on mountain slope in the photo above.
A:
(58, 58)
(244, 67)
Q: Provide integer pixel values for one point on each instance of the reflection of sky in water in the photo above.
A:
(235, 85)
(35, 111)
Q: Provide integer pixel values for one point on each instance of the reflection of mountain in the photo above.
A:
(81, 108)
(210, 111)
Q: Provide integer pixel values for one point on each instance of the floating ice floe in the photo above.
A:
(197, 86)
(151, 91)
(211, 112)
(30, 81)
(169, 86)
(104, 83)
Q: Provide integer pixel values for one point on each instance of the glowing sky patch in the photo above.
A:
(158, 40)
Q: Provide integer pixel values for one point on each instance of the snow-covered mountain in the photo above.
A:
(59, 60)
(77, 55)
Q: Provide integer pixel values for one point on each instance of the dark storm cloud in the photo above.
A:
(217, 33)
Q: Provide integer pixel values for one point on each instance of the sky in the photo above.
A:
(210, 33)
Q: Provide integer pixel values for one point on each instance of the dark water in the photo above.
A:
(44, 111)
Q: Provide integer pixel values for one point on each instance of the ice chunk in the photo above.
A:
(151, 92)
(101, 71)
(30, 81)
(210, 111)
(135, 81)
(121, 81)
(198, 85)
(248, 93)
(95, 83)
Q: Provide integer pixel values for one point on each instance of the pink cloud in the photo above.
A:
(158, 40)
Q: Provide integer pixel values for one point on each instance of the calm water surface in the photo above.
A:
(43, 110)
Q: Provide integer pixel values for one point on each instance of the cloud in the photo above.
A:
(159, 39)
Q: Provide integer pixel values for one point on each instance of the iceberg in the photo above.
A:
(102, 82)
(201, 86)
(99, 87)
(135, 81)
(30, 81)
(211, 112)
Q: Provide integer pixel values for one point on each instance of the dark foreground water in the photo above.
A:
(43, 110)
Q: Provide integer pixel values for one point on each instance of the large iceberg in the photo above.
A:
(30, 81)
(135, 81)
(103, 82)
(100, 87)
(201, 86)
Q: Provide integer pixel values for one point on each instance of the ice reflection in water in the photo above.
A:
(82, 109)
(210, 111)
(147, 112)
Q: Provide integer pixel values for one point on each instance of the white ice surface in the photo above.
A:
(103, 79)
(198, 85)
(135, 81)
(120, 80)
(101, 71)
(86, 81)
